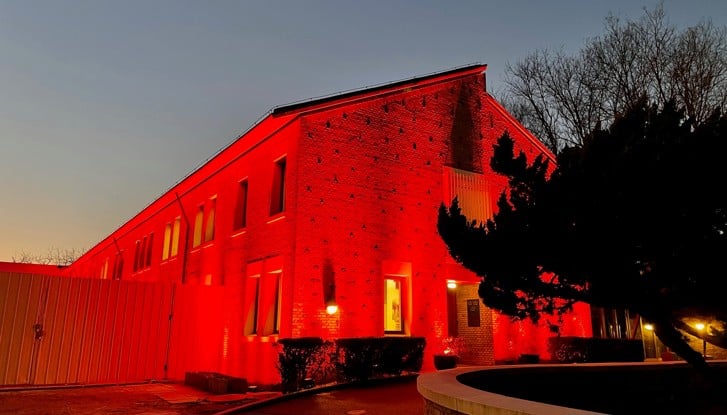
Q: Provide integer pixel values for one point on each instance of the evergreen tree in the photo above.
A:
(633, 218)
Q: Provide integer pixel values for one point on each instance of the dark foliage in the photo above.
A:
(297, 358)
(346, 360)
(364, 358)
(569, 349)
(633, 218)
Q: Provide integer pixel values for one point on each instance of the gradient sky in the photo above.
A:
(104, 105)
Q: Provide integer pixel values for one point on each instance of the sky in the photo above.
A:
(104, 105)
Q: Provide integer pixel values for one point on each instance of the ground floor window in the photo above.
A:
(263, 297)
(393, 305)
(397, 298)
(613, 323)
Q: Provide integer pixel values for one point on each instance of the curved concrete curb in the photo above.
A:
(442, 390)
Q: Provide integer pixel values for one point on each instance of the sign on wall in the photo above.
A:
(473, 313)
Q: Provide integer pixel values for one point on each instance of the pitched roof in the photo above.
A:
(379, 89)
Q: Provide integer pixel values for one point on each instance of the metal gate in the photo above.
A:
(56, 330)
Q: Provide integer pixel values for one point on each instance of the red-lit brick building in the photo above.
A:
(334, 202)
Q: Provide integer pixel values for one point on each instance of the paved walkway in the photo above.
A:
(395, 398)
(400, 398)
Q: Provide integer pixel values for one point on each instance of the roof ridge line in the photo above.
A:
(280, 109)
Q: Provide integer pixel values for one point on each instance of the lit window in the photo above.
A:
(270, 302)
(209, 230)
(167, 241)
(105, 269)
(198, 227)
(262, 297)
(277, 200)
(175, 238)
(393, 305)
(240, 220)
(252, 299)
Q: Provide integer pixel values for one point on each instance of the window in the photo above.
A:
(270, 300)
(613, 323)
(170, 248)
(198, 227)
(119, 265)
(105, 269)
(396, 296)
(149, 244)
(240, 220)
(262, 297)
(142, 253)
(167, 241)
(477, 198)
(252, 297)
(393, 305)
(175, 237)
(137, 252)
(277, 200)
(209, 230)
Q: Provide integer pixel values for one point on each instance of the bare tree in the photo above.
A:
(562, 98)
(53, 256)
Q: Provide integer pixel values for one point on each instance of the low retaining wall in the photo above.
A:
(444, 395)
(643, 387)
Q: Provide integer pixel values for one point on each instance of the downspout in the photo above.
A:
(174, 286)
(118, 258)
(186, 238)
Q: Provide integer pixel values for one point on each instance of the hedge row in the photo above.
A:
(591, 350)
(346, 360)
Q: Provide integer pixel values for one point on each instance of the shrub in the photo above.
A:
(591, 350)
(295, 358)
(351, 359)
(363, 358)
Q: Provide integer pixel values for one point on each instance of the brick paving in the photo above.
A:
(400, 398)
(143, 399)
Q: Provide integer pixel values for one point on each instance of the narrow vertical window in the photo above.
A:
(118, 265)
(263, 297)
(276, 305)
(175, 238)
(137, 252)
(197, 240)
(241, 206)
(142, 254)
(269, 306)
(252, 301)
(149, 244)
(105, 269)
(209, 230)
(167, 241)
(393, 305)
(277, 201)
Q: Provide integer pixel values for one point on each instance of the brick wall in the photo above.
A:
(370, 182)
(478, 341)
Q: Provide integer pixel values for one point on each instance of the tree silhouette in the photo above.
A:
(562, 97)
(633, 218)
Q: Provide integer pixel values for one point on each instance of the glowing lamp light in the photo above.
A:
(699, 326)
(649, 327)
(451, 284)
(331, 309)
